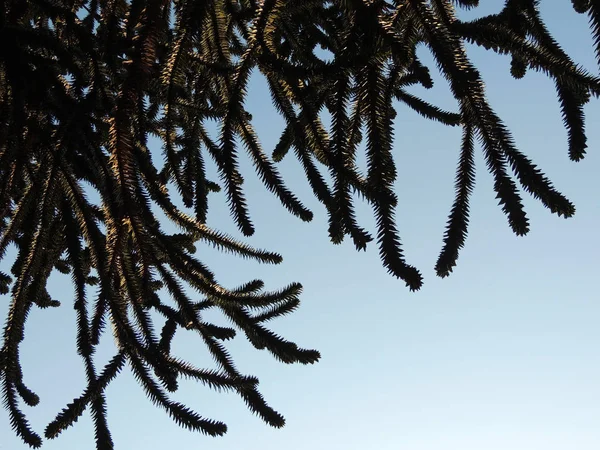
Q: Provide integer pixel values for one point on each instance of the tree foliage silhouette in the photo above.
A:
(85, 83)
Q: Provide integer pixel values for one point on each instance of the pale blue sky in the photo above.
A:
(501, 355)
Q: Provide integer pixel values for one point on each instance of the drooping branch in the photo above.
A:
(84, 84)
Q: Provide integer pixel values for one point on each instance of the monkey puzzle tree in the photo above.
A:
(85, 83)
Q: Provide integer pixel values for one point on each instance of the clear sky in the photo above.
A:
(501, 355)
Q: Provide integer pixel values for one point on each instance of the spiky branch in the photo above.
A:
(84, 83)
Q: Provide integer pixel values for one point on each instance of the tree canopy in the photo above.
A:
(84, 84)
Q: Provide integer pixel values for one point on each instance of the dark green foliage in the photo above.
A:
(84, 83)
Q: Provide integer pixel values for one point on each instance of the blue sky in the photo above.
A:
(503, 354)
